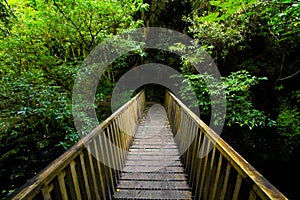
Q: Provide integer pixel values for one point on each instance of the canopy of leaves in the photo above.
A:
(262, 37)
(40, 53)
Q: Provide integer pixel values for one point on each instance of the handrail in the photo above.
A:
(77, 174)
(222, 173)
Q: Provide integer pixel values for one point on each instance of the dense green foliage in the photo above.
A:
(261, 37)
(255, 44)
(42, 45)
(240, 109)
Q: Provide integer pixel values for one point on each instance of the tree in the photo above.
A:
(243, 34)
(6, 18)
(39, 59)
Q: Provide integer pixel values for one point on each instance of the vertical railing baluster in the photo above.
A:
(108, 156)
(187, 144)
(85, 178)
(210, 171)
(252, 194)
(181, 135)
(75, 179)
(62, 185)
(216, 181)
(112, 155)
(198, 165)
(237, 187)
(46, 192)
(99, 168)
(91, 153)
(118, 155)
(225, 183)
(193, 155)
(104, 168)
(206, 147)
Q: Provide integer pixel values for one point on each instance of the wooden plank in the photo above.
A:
(153, 157)
(157, 169)
(157, 154)
(154, 146)
(157, 131)
(153, 137)
(153, 163)
(152, 194)
(154, 150)
(154, 140)
(165, 138)
(153, 185)
(153, 176)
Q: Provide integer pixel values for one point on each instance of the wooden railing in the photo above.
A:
(79, 172)
(215, 170)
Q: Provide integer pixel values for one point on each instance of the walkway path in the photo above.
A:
(153, 169)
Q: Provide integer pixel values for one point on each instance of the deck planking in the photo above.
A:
(153, 169)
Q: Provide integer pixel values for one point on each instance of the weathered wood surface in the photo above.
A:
(153, 169)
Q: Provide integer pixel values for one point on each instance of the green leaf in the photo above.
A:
(215, 3)
(211, 17)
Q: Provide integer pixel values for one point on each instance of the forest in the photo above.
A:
(254, 43)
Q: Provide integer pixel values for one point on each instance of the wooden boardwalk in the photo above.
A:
(153, 169)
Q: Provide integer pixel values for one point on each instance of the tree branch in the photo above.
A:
(72, 22)
(281, 68)
(287, 77)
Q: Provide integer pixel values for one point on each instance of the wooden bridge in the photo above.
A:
(150, 164)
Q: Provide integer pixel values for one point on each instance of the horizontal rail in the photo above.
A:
(78, 173)
(222, 173)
